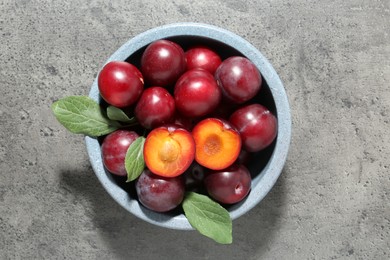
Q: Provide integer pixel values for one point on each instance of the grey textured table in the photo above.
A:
(332, 199)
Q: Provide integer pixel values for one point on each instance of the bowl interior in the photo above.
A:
(265, 166)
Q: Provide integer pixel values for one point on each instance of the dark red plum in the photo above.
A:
(239, 79)
(202, 57)
(158, 193)
(244, 157)
(229, 186)
(196, 93)
(256, 125)
(114, 149)
(162, 63)
(155, 107)
(194, 176)
(120, 83)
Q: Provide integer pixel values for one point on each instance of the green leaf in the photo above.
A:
(117, 114)
(83, 115)
(208, 217)
(134, 160)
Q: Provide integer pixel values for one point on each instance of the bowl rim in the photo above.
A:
(269, 175)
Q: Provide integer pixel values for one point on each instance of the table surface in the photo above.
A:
(332, 199)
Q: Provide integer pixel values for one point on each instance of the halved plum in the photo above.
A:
(218, 144)
(169, 150)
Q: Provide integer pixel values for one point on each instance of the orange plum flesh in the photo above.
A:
(217, 143)
(169, 151)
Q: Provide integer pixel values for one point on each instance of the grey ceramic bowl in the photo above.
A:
(266, 166)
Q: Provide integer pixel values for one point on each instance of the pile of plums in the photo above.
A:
(199, 119)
